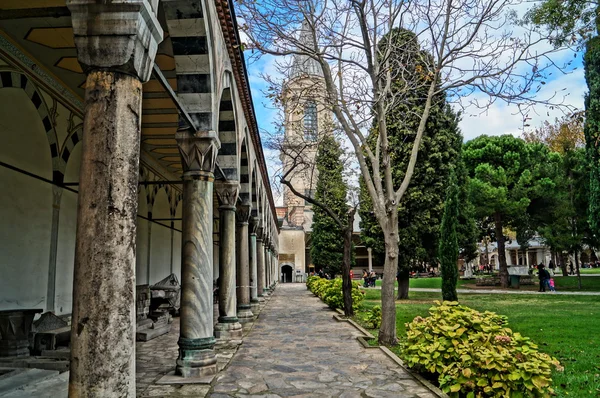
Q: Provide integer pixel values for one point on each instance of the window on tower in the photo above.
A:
(310, 121)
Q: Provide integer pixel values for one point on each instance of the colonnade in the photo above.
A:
(103, 325)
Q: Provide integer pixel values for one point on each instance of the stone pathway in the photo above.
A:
(297, 349)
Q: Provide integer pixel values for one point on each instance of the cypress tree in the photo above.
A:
(448, 249)
(592, 128)
(327, 247)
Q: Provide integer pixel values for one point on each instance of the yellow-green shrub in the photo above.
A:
(476, 355)
(334, 298)
(330, 291)
(373, 317)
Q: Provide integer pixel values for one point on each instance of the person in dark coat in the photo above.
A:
(544, 277)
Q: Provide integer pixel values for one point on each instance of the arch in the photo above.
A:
(255, 195)
(69, 144)
(15, 79)
(190, 37)
(141, 256)
(160, 242)
(65, 256)
(244, 174)
(26, 204)
(286, 272)
(228, 153)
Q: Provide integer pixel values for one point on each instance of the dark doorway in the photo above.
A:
(286, 273)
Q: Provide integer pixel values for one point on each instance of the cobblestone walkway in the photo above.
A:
(297, 349)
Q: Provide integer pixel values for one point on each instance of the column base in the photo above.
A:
(228, 329)
(245, 314)
(255, 307)
(196, 357)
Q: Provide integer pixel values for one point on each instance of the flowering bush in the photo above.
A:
(475, 354)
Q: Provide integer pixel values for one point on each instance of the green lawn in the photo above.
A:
(563, 283)
(564, 326)
(590, 271)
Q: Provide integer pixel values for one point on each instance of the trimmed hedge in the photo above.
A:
(330, 291)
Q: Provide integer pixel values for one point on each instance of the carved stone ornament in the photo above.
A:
(198, 150)
(227, 193)
(242, 213)
(116, 35)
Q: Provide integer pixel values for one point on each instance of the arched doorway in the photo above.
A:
(287, 273)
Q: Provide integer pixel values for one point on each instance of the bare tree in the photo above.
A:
(477, 57)
(298, 171)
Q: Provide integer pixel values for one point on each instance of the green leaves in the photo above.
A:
(327, 248)
(330, 291)
(476, 354)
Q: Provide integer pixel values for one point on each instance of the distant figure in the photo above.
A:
(351, 274)
(551, 285)
(543, 276)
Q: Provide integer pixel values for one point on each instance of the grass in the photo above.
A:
(563, 283)
(590, 271)
(564, 326)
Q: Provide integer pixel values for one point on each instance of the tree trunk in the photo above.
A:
(563, 265)
(387, 331)
(501, 251)
(403, 281)
(346, 282)
(577, 269)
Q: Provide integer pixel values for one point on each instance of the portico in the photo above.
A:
(131, 152)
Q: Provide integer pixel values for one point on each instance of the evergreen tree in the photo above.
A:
(327, 247)
(592, 127)
(421, 208)
(509, 178)
(448, 250)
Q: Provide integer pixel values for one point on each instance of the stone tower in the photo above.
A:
(306, 119)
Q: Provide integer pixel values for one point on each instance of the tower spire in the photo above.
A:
(303, 64)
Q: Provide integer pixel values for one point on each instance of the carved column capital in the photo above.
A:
(254, 221)
(116, 35)
(242, 213)
(259, 233)
(227, 194)
(198, 150)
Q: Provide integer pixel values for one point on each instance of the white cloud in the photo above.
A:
(505, 119)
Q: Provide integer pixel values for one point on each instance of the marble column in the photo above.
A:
(260, 264)
(370, 251)
(244, 312)
(196, 341)
(253, 264)
(116, 63)
(267, 286)
(228, 325)
(51, 289)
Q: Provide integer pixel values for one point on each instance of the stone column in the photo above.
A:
(268, 273)
(260, 264)
(370, 251)
(253, 264)
(51, 289)
(228, 326)
(275, 268)
(116, 45)
(244, 312)
(196, 341)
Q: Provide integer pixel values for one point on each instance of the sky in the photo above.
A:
(498, 119)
